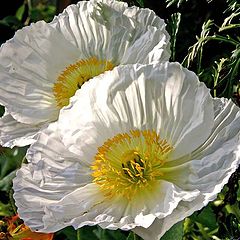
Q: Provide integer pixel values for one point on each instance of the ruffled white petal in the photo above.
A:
(29, 64)
(140, 35)
(218, 155)
(163, 97)
(207, 169)
(88, 206)
(51, 174)
(72, 207)
(71, 204)
(13, 133)
(33, 59)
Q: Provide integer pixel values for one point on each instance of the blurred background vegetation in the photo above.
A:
(205, 37)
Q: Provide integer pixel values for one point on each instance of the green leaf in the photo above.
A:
(206, 217)
(174, 233)
(68, 233)
(42, 12)
(104, 234)
(130, 236)
(140, 2)
(20, 12)
(133, 236)
(10, 160)
(116, 235)
(11, 21)
(6, 209)
(87, 233)
(6, 182)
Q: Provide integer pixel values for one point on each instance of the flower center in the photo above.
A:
(73, 77)
(130, 163)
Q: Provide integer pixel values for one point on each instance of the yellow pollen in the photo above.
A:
(130, 163)
(75, 75)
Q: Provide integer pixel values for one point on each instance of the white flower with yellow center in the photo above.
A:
(43, 65)
(150, 147)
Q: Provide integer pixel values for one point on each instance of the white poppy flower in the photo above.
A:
(43, 65)
(150, 147)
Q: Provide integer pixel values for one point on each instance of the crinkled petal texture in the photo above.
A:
(31, 62)
(112, 30)
(167, 98)
(14, 133)
(52, 173)
(208, 168)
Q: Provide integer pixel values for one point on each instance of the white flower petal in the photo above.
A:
(49, 180)
(148, 52)
(219, 156)
(29, 64)
(24, 187)
(95, 33)
(208, 168)
(164, 97)
(61, 170)
(216, 158)
(72, 207)
(161, 226)
(13, 133)
(32, 61)
(61, 165)
(88, 206)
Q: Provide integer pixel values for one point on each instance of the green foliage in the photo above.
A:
(173, 28)
(175, 2)
(6, 209)
(233, 5)
(103, 234)
(140, 3)
(10, 159)
(94, 233)
(20, 12)
(223, 74)
(12, 22)
(6, 182)
(67, 233)
(196, 51)
(28, 12)
(42, 12)
(201, 223)
(176, 232)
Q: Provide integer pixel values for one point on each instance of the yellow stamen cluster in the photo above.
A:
(73, 77)
(130, 163)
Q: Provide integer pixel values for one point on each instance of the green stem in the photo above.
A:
(224, 39)
(136, 237)
(232, 77)
(234, 210)
(78, 234)
(29, 3)
(24, 160)
(203, 232)
(199, 67)
(11, 200)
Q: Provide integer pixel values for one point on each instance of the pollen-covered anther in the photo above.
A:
(75, 75)
(130, 163)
